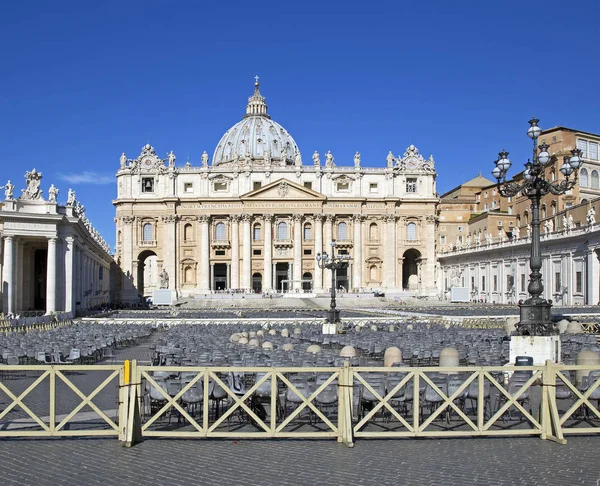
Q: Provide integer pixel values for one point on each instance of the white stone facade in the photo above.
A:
(499, 271)
(51, 258)
(255, 218)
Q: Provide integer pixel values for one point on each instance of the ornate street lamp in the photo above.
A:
(535, 311)
(333, 263)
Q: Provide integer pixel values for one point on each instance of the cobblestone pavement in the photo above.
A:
(382, 462)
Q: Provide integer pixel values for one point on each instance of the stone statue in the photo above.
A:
(298, 159)
(528, 231)
(172, 158)
(283, 155)
(501, 235)
(488, 238)
(8, 190)
(478, 239)
(356, 160)
(316, 159)
(71, 197)
(204, 159)
(468, 243)
(564, 223)
(329, 160)
(570, 224)
(590, 218)
(516, 233)
(52, 193)
(548, 227)
(123, 160)
(164, 279)
(390, 159)
(33, 190)
(267, 155)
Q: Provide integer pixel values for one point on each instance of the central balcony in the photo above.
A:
(220, 244)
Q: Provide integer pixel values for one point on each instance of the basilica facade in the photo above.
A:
(255, 216)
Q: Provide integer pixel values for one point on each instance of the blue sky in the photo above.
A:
(84, 81)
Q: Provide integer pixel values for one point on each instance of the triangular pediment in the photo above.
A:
(283, 189)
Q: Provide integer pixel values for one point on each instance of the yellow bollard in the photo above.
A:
(127, 372)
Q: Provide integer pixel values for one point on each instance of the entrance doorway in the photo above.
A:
(282, 277)
(257, 283)
(307, 282)
(220, 276)
(410, 269)
(39, 285)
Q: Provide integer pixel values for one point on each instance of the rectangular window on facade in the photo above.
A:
(579, 282)
(308, 252)
(148, 184)
(472, 283)
(557, 283)
(343, 186)
(256, 252)
(373, 187)
(256, 185)
(257, 235)
(510, 282)
(219, 252)
(411, 231)
(188, 187)
(220, 187)
(483, 283)
(495, 283)
(411, 184)
(443, 239)
(308, 185)
(523, 286)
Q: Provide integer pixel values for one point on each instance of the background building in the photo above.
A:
(256, 216)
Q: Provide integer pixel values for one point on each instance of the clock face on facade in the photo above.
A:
(147, 162)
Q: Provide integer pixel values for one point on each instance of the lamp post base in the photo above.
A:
(535, 318)
(334, 316)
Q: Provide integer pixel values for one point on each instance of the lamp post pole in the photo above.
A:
(535, 311)
(333, 263)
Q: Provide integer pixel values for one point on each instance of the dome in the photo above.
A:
(256, 138)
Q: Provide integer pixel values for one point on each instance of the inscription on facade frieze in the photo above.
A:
(17, 225)
(282, 205)
(343, 205)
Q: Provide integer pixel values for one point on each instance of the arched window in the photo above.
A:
(583, 178)
(282, 231)
(342, 231)
(543, 211)
(147, 232)
(595, 182)
(188, 232)
(526, 216)
(373, 274)
(220, 231)
(119, 237)
(373, 232)
(553, 208)
(584, 201)
(411, 231)
(308, 231)
(256, 234)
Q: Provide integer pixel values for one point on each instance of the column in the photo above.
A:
(170, 249)
(69, 280)
(204, 254)
(318, 219)
(128, 293)
(247, 252)
(18, 267)
(358, 259)
(274, 274)
(297, 218)
(8, 276)
(235, 252)
(389, 252)
(268, 252)
(51, 277)
(328, 237)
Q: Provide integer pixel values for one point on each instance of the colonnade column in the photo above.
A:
(51, 276)
(268, 252)
(318, 283)
(247, 252)
(170, 249)
(127, 292)
(328, 237)
(389, 263)
(358, 260)
(69, 280)
(297, 276)
(8, 276)
(204, 254)
(235, 252)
